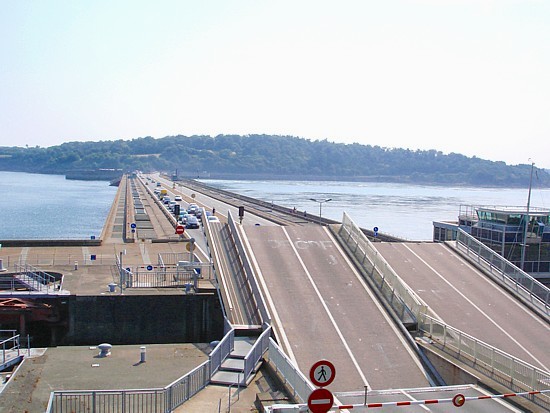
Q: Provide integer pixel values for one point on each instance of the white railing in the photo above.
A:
(390, 285)
(492, 362)
(293, 378)
(249, 272)
(36, 279)
(58, 260)
(504, 272)
(257, 351)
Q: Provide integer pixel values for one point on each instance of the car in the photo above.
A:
(166, 200)
(192, 209)
(192, 222)
(213, 218)
(178, 198)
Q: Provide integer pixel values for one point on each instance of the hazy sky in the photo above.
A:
(464, 76)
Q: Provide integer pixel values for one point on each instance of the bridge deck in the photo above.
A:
(466, 299)
(323, 310)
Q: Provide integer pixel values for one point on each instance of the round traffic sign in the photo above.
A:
(149, 268)
(322, 373)
(320, 401)
(459, 400)
(133, 225)
(180, 229)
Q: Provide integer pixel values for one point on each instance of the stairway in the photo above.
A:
(231, 371)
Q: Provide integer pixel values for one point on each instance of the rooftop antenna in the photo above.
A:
(527, 218)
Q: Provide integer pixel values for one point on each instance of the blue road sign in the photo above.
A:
(149, 268)
(133, 225)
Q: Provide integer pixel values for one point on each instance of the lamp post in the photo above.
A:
(321, 202)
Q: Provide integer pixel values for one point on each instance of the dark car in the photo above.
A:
(192, 222)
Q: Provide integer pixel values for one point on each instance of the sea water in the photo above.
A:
(402, 210)
(36, 206)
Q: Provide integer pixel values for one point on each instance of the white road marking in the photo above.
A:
(144, 254)
(333, 321)
(382, 310)
(476, 307)
(275, 315)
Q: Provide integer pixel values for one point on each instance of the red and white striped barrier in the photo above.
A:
(457, 400)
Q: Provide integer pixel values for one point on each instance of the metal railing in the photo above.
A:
(36, 279)
(58, 260)
(9, 344)
(257, 351)
(504, 272)
(249, 272)
(403, 301)
(504, 368)
(293, 378)
(157, 400)
(160, 278)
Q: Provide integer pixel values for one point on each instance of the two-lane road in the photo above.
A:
(322, 309)
(466, 299)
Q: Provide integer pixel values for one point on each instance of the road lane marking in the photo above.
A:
(381, 309)
(323, 303)
(271, 304)
(477, 308)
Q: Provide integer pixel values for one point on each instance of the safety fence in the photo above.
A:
(501, 367)
(160, 278)
(59, 260)
(249, 272)
(295, 381)
(506, 273)
(37, 280)
(402, 300)
(9, 340)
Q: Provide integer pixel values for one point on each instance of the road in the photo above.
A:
(322, 309)
(466, 299)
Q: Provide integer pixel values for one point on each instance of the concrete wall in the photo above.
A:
(143, 319)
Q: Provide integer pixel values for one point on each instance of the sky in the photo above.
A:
(457, 76)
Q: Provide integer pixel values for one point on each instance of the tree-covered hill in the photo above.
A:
(267, 156)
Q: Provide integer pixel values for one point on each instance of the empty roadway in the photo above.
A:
(466, 299)
(322, 309)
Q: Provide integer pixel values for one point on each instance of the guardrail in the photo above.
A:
(293, 378)
(58, 260)
(492, 362)
(505, 273)
(257, 351)
(402, 300)
(9, 344)
(36, 279)
(249, 273)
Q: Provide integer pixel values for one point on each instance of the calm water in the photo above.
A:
(34, 206)
(402, 210)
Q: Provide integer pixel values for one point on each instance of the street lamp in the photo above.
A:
(321, 202)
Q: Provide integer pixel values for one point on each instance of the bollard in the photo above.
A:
(2, 269)
(142, 352)
(76, 265)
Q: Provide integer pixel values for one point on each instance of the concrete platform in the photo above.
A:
(80, 368)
